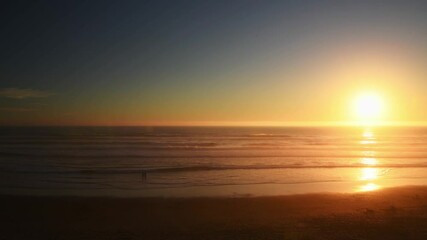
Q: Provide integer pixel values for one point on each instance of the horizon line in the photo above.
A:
(238, 124)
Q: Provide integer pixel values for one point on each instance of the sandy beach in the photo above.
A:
(396, 213)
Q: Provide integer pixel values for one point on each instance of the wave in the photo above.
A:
(147, 170)
(217, 155)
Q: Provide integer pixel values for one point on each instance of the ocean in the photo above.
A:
(209, 161)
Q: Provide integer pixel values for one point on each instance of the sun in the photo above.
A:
(368, 106)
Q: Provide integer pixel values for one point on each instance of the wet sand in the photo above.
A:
(397, 213)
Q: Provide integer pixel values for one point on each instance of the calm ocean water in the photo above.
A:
(193, 161)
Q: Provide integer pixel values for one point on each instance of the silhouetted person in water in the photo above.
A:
(144, 176)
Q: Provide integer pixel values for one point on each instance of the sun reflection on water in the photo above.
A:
(369, 161)
(368, 142)
(368, 134)
(368, 153)
(369, 187)
(368, 137)
(369, 173)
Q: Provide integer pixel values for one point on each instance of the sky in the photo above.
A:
(210, 62)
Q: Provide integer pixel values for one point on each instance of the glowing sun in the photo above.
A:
(368, 106)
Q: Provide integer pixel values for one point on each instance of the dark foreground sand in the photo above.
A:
(399, 213)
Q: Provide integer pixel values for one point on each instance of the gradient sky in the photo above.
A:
(209, 62)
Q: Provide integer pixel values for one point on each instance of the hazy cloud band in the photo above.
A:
(18, 93)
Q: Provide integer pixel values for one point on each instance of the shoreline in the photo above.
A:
(226, 190)
(393, 213)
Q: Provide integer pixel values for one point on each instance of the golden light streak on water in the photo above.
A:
(367, 142)
(369, 174)
(368, 134)
(369, 161)
(369, 187)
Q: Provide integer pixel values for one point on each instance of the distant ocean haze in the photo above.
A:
(205, 161)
